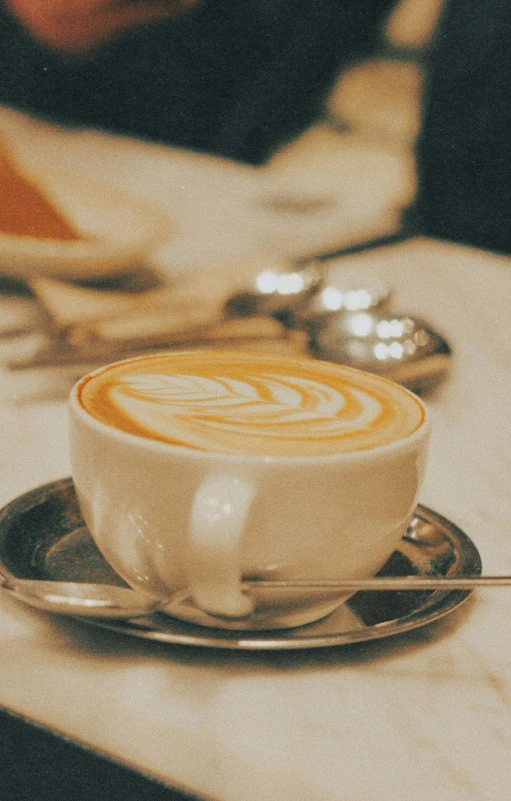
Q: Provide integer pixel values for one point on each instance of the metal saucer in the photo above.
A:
(43, 536)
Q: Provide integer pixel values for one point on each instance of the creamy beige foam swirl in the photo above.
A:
(242, 403)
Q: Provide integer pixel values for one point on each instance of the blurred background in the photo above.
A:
(415, 90)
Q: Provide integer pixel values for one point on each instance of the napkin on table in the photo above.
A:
(88, 324)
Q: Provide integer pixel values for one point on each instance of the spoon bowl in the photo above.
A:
(84, 599)
(341, 291)
(403, 349)
(275, 291)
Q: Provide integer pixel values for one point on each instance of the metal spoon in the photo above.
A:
(342, 290)
(109, 601)
(86, 600)
(404, 349)
(276, 291)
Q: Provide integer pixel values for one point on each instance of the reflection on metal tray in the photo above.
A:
(43, 536)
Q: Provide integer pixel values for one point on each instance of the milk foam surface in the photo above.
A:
(242, 403)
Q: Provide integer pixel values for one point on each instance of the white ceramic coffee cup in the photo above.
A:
(168, 517)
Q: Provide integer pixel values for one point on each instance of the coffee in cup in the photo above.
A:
(201, 468)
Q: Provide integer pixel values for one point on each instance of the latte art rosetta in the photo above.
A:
(252, 404)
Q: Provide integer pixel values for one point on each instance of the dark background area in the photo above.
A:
(38, 765)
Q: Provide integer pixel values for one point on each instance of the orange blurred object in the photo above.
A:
(25, 211)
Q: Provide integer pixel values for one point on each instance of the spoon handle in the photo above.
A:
(387, 583)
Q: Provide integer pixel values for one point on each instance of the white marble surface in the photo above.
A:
(424, 716)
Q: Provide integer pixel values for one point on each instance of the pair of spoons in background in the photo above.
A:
(348, 320)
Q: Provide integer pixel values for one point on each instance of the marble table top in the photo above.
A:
(423, 716)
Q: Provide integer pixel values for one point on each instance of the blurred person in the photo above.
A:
(241, 77)
(83, 25)
(232, 77)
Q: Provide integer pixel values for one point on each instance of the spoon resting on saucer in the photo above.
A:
(109, 601)
(83, 599)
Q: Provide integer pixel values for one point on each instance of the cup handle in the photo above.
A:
(218, 517)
